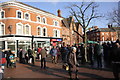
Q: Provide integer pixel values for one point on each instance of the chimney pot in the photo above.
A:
(59, 13)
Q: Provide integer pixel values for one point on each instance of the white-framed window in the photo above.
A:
(44, 20)
(38, 19)
(44, 31)
(106, 33)
(2, 28)
(56, 23)
(39, 31)
(19, 14)
(27, 29)
(2, 13)
(56, 33)
(19, 28)
(27, 16)
(102, 33)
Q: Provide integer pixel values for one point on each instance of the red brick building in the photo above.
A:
(69, 36)
(22, 25)
(101, 34)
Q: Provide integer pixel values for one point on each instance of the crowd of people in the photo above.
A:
(75, 55)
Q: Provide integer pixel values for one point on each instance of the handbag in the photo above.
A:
(65, 66)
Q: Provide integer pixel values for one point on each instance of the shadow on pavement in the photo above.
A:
(56, 72)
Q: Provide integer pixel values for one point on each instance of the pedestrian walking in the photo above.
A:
(64, 52)
(43, 58)
(8, 53)
(53, 53)
(30, 55)
(72, 62)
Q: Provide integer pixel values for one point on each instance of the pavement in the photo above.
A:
(54, 71)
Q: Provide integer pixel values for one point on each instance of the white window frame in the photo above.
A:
(54, 33)
(28, 14)
(17, 14)
(29, 29)
(40, 31)
(1, 10)
(4, 28)
(45, 20)
(58, 33)
(43, 31)
(37, 19)
(57, 23)
(17, 29)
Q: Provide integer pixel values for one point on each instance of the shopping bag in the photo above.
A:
(30, 61)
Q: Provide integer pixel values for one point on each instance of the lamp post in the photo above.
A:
(32, 41)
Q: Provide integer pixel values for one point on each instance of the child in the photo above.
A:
(12, 60)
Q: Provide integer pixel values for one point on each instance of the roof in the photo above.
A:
(106, 30)
(102, 30)
(116, 28)
(67, 21)
(33, 7)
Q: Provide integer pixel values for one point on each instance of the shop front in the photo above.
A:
(56, 42)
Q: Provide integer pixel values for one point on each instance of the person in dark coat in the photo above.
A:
(20, 55)
(72, 62)
(82, 49)
(30, 55)
(98, 54)
(116, 60)
(91, 49)
(64, 53)
(8, 53)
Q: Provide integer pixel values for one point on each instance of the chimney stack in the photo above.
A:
(109, 25)
(95, 27)
(90, 29)
(59, 13)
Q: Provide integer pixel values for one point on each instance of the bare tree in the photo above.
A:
(84, 14)
(114, 17)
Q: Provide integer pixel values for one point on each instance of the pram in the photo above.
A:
(12, 61)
